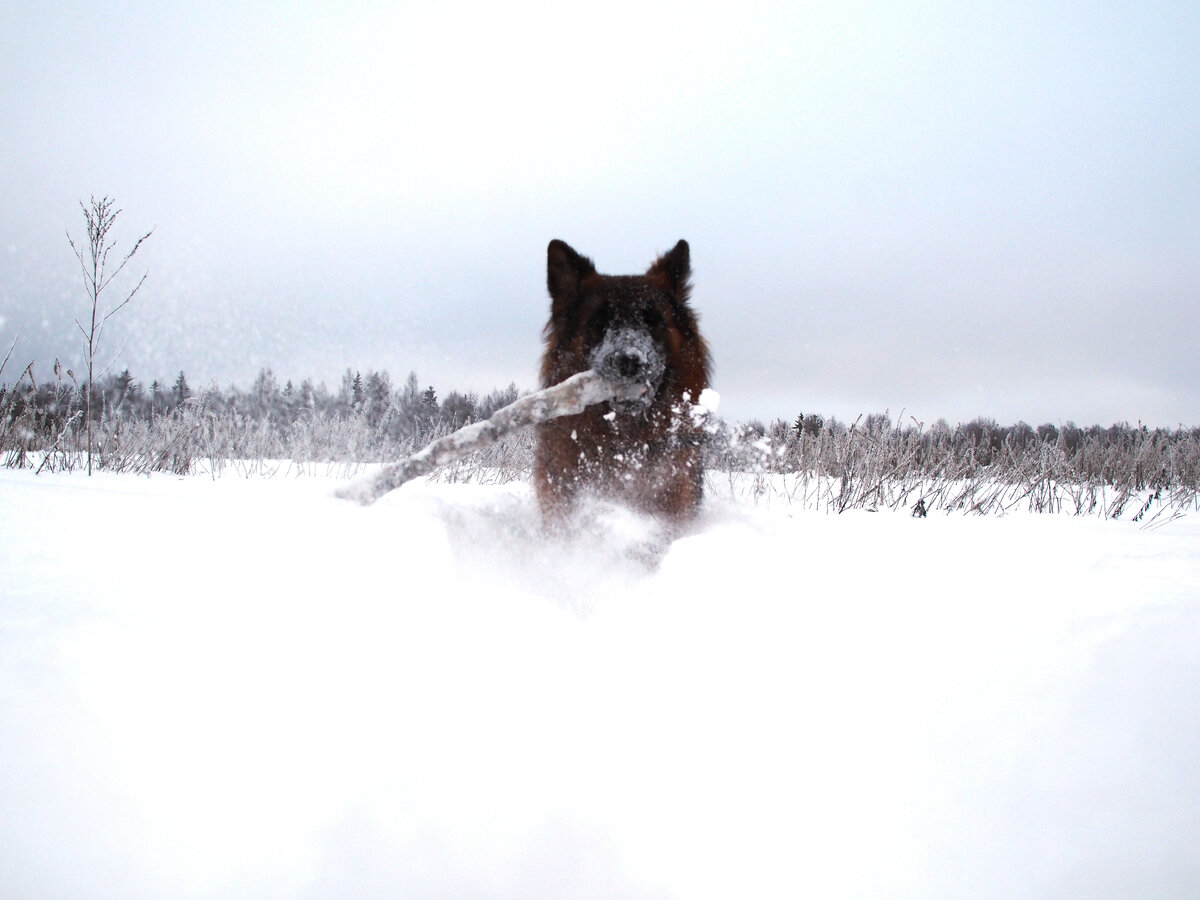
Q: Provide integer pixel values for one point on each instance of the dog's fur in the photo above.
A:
(632, 329)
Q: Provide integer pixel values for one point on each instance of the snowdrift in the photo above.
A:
(246, 688)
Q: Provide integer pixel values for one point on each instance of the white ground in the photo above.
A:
(246, 688)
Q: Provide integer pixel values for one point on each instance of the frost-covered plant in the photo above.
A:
(97, 276)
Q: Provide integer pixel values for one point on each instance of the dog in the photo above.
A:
(632, 329)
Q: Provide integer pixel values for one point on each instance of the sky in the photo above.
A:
(942, 210)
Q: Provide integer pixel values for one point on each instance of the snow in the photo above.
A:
(246, 688)
(709, 400)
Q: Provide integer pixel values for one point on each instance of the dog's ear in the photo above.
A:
(564, 270)
(674, 268)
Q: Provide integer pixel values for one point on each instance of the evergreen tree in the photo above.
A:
(181, 392)
(124, 383)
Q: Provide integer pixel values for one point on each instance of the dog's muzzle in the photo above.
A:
(630, 356)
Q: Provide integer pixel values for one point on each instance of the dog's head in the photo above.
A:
(626, 327)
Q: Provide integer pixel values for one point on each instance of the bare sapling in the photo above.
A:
(97, 276)
(568, 398)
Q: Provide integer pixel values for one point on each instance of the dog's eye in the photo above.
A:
(598, 320)
(651, 317)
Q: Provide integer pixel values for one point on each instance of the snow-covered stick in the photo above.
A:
(568, 398)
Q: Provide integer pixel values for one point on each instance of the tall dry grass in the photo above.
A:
(1150, 476)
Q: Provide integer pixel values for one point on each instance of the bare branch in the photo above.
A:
(113, 361)
(87, 277)
(568, 398)
(7, 355)
(126, 300)
(128, 256)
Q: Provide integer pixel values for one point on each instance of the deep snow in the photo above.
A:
(247, 688)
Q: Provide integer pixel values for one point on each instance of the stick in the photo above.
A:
(567, 398)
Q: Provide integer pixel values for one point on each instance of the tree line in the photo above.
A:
(977, 466)
(47, 407)
(983, 440)
(53, 413)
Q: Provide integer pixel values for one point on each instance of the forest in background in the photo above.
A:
(873, 462)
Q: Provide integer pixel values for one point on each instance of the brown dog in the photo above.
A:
(634, 329)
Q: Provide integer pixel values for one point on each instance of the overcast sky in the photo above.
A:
(957, 209)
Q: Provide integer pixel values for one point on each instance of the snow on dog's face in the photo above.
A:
(632, 353)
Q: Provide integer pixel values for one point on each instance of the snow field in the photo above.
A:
(246, 688)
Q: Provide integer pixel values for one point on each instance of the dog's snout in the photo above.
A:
(630, 356)
(628, 366)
